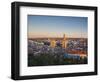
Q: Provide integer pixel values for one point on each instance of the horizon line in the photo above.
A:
(54, 37)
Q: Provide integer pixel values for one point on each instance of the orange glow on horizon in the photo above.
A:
(59, 35)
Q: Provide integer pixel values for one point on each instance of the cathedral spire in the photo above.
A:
(64, 42)
(64, 37)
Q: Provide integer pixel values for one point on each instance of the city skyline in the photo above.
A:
(55, 26)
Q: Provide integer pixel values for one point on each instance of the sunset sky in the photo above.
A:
(55, 26)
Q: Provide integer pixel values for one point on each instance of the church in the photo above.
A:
(63, 42)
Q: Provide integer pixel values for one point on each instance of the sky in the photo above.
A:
(40, 26)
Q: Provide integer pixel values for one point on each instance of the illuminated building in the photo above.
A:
(64, 42)
(52, 43)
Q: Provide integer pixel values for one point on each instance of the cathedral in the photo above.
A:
(63, 42)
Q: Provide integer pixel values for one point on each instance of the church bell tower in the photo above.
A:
(64, 42)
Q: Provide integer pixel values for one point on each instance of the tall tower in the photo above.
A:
(52, 43)
(64, 41)
(64, 37)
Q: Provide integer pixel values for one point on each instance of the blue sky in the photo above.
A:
(56, 26)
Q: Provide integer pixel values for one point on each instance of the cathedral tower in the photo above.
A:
(64, 42)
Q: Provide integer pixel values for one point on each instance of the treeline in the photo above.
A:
(48, 59)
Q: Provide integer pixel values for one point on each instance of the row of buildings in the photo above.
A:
(75, 46)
